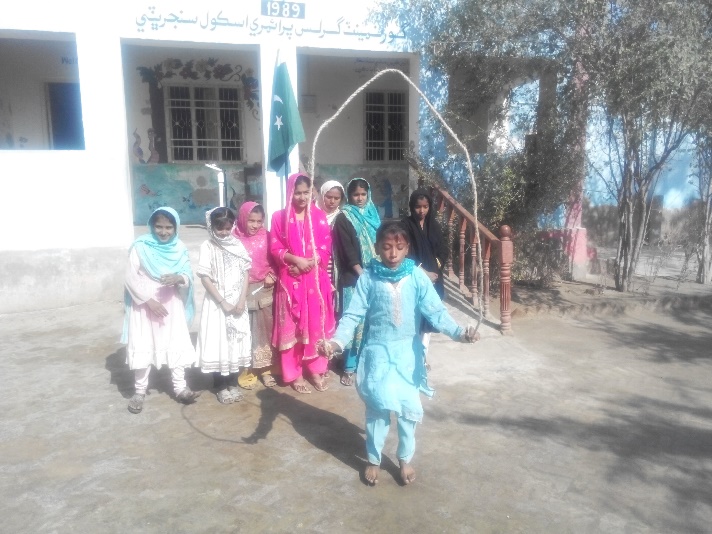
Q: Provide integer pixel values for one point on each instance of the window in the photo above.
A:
(65, 116)
(204, 123)
(386, 126)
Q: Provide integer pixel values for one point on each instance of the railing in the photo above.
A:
(460, 228)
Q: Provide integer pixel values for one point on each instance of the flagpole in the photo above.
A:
(284, 181)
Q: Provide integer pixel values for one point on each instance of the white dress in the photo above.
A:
(224, 341)
(154, 340)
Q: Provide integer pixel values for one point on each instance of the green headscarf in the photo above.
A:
(366, 222)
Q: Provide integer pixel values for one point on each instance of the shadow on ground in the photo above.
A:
(650, 449)
(323, 429)
(661, 342)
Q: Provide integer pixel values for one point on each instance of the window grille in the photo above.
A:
(204, 123)
(386, 126)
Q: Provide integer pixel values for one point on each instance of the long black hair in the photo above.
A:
(222, 217)
(420, 194)
(353, 184)
(302, 179)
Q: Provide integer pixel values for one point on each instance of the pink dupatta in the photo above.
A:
(304, 311)
(257, 245)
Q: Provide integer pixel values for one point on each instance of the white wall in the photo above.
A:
(332, 79)
(66, 216)
(65, 199)
(27, 67)
(148, 55)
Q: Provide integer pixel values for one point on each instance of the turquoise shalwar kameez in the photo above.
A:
(391, 369)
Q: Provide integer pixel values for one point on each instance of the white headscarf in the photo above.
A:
(230, 243)
(328, 186)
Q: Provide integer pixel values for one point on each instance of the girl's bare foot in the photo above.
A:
(371, 474)
(407, 472)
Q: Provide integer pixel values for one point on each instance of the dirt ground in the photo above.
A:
(596, 416)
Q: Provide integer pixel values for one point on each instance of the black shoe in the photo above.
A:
(187, 396)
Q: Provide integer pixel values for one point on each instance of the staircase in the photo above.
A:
(465, 235)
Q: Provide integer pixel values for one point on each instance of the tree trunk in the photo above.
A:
(623, 256)
(704, 273)
(643, 211)
(626, 211)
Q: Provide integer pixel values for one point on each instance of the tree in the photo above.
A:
(650, 69)
(703, 141)
(644, 63)
(487, 49)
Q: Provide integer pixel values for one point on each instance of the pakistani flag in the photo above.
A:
(285, 129)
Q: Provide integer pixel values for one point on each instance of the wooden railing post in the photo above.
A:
(450, 240)
(461, 270)
(486, 256)
(452, 211)
(475, 242)
(506, 258)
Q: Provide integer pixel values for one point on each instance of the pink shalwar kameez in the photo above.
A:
(303, 309)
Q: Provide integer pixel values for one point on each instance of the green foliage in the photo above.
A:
(540, 260)
(645, 64)
(703, 181)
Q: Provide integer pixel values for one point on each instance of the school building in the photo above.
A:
(108, 113)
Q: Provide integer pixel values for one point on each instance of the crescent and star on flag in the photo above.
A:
(278, 122)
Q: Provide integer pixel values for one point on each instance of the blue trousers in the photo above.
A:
(350, 360)
(378, 423)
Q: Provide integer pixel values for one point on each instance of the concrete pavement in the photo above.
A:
(581, 423)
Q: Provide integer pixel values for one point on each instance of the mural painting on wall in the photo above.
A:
(190, 189)
(138, 151)
(202, 69)
(389, 185)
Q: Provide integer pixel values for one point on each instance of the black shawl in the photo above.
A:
(427, 244)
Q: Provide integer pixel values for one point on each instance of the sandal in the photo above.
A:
(268, 380)
(319, 383)
(247, 379)
(347, 379)
(225, 397)
(136, 403)
(300, 387)
(235, 393)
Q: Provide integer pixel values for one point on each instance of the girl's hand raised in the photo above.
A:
(171, 279)
(156, 308)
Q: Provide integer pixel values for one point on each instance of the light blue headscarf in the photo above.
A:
(366, 222)
(392, 275)
(158, 258)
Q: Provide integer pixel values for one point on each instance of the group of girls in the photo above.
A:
(354, 228)
(272, 300)
(236, 321)
(387, 306)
